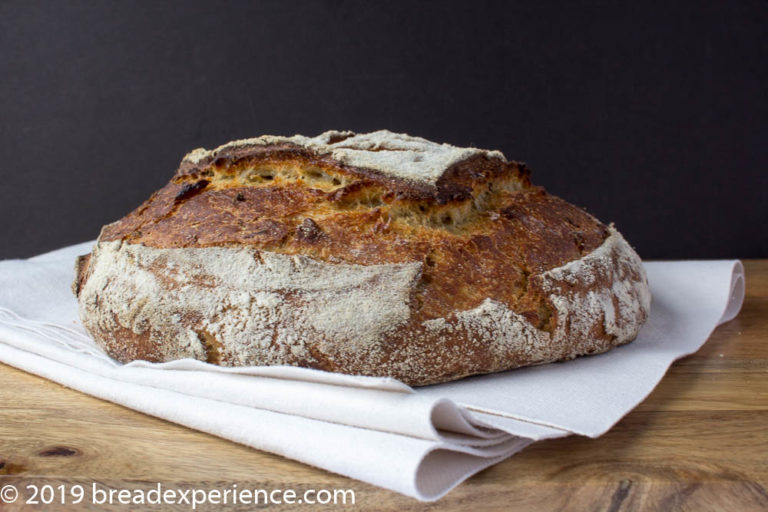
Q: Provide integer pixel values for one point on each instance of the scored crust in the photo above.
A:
(371, 254)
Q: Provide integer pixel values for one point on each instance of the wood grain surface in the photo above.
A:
(699, 442)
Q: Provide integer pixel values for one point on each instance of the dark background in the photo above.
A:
(654, 116)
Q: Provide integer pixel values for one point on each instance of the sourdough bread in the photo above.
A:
(370, 254)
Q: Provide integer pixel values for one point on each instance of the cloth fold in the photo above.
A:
(420, 442)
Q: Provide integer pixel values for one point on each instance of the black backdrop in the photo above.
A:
(651, 116)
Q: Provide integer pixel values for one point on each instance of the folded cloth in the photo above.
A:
(420, 442)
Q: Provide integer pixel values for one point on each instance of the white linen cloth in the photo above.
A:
(420, 442)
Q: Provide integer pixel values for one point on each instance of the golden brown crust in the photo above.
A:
(480, 232)
(488, 252)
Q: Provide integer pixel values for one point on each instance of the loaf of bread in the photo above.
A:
(368, 254)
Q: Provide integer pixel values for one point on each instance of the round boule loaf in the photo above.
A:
(368, 254)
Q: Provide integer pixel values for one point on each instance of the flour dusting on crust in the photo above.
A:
(258, 307)
(395, 154)
(616, 291)
(261, 308)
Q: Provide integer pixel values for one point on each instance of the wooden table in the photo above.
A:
(699, 442)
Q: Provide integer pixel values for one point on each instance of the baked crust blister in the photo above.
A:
(371, 254)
